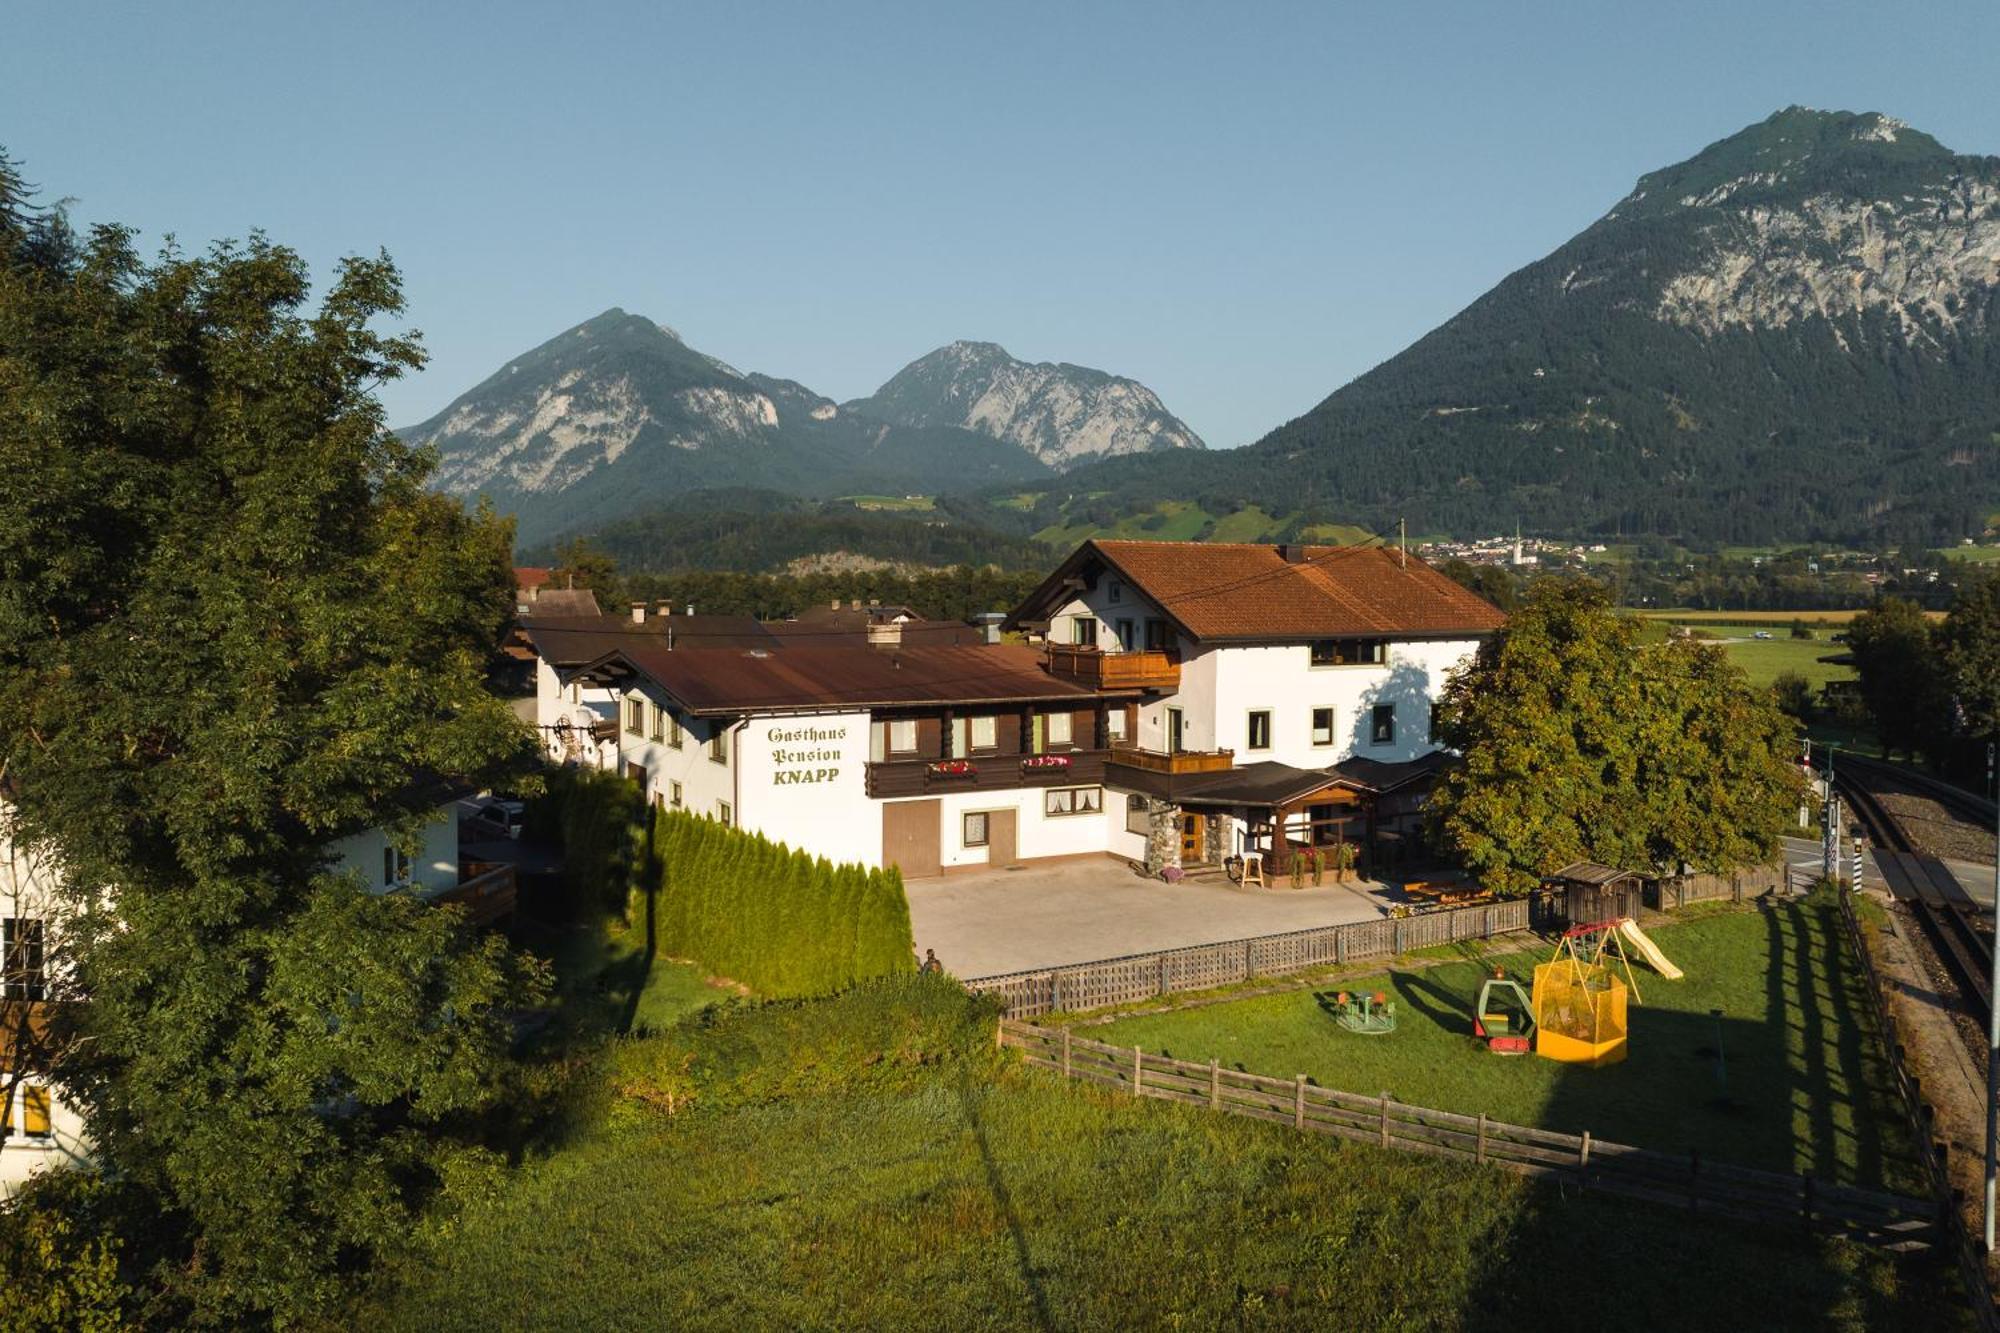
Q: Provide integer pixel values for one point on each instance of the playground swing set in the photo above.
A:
(1576, 1011)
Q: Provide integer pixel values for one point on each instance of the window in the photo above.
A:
(674, 797)
(1322, 726)
(975, 828)
(1117, 592)
(23, 945)
(1128, 635)
(1060, 801)
(718, 745)
(1259, 730)
(674, 732)
(1114, 725)
(1138, 815)
(659, 723)
(395, 867)
(985, 733)
(1156, 636)
(903, 736)
(1083, 631)
(1176, 731)
(35, 1111)
(1382, 725)
(1061, 727)
(1348, 652)
(724, 815)
(635, 716)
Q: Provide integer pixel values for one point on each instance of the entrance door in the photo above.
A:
(637, 773)
(1175, 731)
(1194, 839)
(1002, 844)
(910, 838)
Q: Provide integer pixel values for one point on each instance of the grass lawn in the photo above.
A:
(606, 979)
(919, 503)
(1806, 1085)
(1763, 660)
(1982, 555)
(869, 1165)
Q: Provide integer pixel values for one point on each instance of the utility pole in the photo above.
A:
(1403, 543)
(1829, 850)
(1993, 1030)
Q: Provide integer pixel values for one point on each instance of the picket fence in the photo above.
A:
(1111, 981)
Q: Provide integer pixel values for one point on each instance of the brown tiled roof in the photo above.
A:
(732, 682)
(1222, 591)
(565, 641)
(531, 576)
(564, 602)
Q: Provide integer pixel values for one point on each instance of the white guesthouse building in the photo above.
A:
(1176, 703)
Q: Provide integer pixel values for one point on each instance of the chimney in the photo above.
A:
(690, 609)
(835, 605)
(638, 613)
(1292, 553)
(989, 623)
(854, 605)
(664, 609)
(888, 635)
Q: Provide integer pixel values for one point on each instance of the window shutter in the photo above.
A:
(35, 1120)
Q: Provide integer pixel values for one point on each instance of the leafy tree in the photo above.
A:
(1901, 679)
(1970, 643)
(1793, 693)
(1580, 743)
(233, 626)
(581, 565)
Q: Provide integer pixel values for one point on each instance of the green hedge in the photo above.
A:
(783, 923)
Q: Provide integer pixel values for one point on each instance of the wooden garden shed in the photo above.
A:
(1593, 892)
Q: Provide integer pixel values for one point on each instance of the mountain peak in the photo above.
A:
(1062, 414)
(1792, 152)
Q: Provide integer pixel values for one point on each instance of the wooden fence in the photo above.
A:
(1142, 976)
(1694, 1183)
(1932, 1153)
(1671, 894)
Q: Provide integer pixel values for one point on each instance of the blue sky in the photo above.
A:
(1242, 205)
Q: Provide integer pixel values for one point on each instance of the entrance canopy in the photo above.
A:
(1286, 810)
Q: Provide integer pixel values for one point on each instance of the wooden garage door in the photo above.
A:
(910, 837)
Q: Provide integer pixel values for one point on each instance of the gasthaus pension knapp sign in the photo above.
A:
(805, 783)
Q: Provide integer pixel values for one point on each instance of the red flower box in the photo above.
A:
(953, 768)
(1046, 761)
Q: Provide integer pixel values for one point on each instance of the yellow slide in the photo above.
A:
(1643, 945)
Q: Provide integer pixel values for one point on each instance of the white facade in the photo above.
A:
(382, 868)
(563, 718)
(44, 1128)
(1222, 686)
(802, 779)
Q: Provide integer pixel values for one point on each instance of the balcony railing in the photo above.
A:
(1181, 761)
(998, 772)
(1114, 671)
(489, 895)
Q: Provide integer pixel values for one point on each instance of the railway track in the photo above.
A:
(1960, 935)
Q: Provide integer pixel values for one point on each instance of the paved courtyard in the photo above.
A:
(995, 921)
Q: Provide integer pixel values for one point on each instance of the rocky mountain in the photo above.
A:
(618, 414)
(1790, 335)
(1061, 414)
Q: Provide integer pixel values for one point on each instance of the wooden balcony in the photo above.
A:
(997, 772)
(1181, 762)
(1100, 670)
(487, 896)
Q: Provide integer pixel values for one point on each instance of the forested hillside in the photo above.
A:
(1789, 335)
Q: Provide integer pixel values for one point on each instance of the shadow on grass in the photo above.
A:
(1804, 1084)
(969, 1099)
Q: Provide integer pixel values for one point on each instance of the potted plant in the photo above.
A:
(1344, 856)
(1319, 866)
(1298, 870)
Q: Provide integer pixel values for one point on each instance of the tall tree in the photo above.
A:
(1969, 641)
(1578, 742)
(1902, 680)
(233, 625)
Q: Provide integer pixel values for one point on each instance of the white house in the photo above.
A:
(45, 1128)
(1183, 703)
(928, 756)
(1307, 672)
